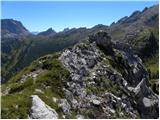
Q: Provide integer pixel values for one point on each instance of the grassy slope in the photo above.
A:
(31, 48)
(152, 65)
(17, 104)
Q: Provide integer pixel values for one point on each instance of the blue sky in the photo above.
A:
(39, 16)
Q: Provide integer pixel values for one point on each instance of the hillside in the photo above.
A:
(99, 78)
(32, 47)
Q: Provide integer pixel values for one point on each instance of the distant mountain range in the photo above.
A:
(34, 32)
(20, 47)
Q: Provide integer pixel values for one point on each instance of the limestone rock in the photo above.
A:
(80, 117)
(40, 110)
(102, 38)
(63, 103)
(91, 76)
(96, 102)
(147, 102)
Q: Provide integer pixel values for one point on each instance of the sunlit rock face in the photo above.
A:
(40, 110)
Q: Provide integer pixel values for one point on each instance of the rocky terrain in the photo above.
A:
(99, 78)
(89, 75)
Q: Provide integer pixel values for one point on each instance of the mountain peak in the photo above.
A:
(48, 32)
(66, 29)
(13, 28)
(50, 29)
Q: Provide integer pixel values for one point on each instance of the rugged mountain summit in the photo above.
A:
(66, 30)
(12, 28)
(96, 79)
(48, 32)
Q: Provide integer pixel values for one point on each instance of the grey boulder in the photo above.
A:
(40, 110)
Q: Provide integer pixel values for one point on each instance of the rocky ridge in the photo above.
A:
(90, 78)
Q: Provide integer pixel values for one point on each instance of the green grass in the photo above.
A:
(53, 77)
(154, 84)
(104, 85)
(152, 65)
(10, 102)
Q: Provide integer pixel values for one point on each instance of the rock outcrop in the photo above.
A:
(107, 80)
(40, 110)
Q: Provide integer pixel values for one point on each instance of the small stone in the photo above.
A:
(16, 106)
(74, 103)
(147, 102)
(39, 91)
(54, 99)
(112, 111)
(96, 102)
(63, 103)
(80, 117)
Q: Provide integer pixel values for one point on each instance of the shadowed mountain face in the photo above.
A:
(136, 28)
(12, 28)
(140, 30)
